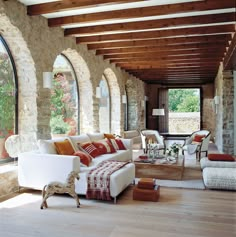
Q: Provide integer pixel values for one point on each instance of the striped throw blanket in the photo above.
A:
(99, 179)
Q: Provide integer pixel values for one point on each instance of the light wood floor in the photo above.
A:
(179, 213)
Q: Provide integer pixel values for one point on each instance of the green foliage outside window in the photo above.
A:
(7, 96)
(62, 106)
(184, 100)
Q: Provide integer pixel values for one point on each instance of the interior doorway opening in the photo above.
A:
(184, 110)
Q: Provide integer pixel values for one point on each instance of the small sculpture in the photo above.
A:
(58, 187)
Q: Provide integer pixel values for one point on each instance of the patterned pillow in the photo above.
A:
(64, 147)
(89, 148)
(84, 157)
(104, 146)
(118, 144)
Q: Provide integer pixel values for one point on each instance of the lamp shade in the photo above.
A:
(158, 112)
(47, 80)
(98, 92)
(124, 99)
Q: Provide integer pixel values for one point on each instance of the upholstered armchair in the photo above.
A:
(153, 136)
(197, 143)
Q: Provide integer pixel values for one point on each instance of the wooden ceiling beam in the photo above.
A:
(165, 54)
(212, 39)
(182, 60)
(195, 46)
(171, 64)
(165, 72)
(65, 5)
(229, 62)
(202, 30)
(127, 66)
(142, 12)
(152, 24)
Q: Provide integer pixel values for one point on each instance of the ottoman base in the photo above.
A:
(220, 178)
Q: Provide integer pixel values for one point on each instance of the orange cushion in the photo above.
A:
(84, 158)
(118, 144)
(90, 149)
(64, 147)
(220, 157)
(198, 138)
(109, 136)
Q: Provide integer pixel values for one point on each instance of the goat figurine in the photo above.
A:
(58, 187)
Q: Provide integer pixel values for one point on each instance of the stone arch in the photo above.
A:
(115, 100)
(85, 89)
(26, 74)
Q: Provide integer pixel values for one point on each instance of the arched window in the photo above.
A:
(64, 98)
(104, 107)
(8, 97)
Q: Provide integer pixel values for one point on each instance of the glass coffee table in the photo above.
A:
(159, 168)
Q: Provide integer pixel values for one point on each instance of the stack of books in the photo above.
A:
(146, 190)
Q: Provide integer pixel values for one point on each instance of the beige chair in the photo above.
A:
(191, 146)
(147, 135)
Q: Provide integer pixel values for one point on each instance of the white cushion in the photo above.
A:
(96, 136)
(79, 139)
(205, 162)
(48, 147)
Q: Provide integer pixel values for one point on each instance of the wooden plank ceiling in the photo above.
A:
(168, 42)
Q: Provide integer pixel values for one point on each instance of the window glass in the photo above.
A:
(7, 98)
(64, 99)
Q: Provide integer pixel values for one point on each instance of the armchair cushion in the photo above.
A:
(198, 138)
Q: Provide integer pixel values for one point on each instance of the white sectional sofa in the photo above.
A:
(218, 174)
(38, 168)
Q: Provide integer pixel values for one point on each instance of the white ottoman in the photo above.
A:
(119, 180)
(220, 178)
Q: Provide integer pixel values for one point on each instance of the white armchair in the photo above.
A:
(197, 143)
(147, 134)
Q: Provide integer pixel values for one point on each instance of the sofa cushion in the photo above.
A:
(220, 157)
(117, 144)
(47, 146)
(83, 138)
(96, 136)
(104, 146)
(64, 147)
(90, 149)
(109, 136)
(84, 157)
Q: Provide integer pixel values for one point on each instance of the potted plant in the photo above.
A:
(58, 126)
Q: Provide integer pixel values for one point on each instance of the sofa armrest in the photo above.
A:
(36, 170)
(128, 143)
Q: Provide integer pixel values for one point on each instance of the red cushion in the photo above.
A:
(220, 157)
(118, 144)
(90, 149)
(84, 158)
(198, 138)
(104, 146)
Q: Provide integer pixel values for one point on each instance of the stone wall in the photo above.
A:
(224, 129)
(184, 123)
(228, 113)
